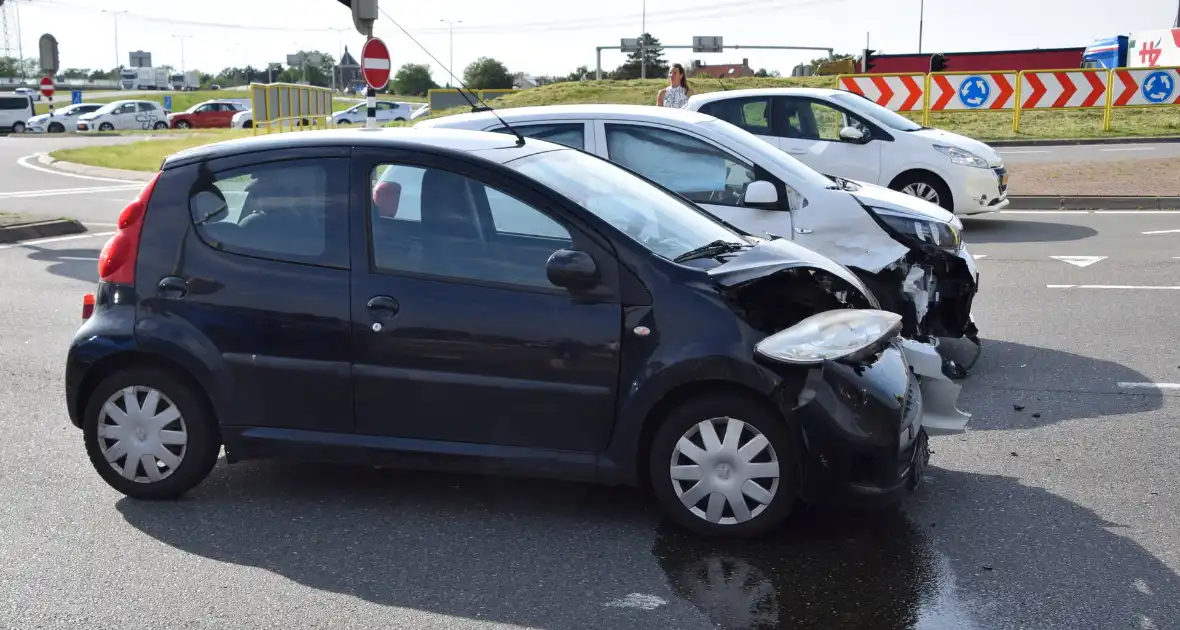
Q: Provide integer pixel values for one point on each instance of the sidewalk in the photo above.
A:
(1132, 177)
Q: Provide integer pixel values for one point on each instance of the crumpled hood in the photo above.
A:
(940, 136)
(772, 256)
(876, 196)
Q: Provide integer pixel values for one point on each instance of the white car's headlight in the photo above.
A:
(961, 156)
(941, 235)
(841, 334)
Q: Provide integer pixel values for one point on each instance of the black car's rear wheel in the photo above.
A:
(724, 465)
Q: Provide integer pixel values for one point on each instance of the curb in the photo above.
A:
(1081, 202)
(39, 229)
(1080, 141)
(45, 160)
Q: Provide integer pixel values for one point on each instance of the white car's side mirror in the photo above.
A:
(760, 193)
(852, 134)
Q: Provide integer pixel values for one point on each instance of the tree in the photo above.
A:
(579, 74)
(763, 72)
(486, 73)
(413, 79)
(816, 63)
(649, 57)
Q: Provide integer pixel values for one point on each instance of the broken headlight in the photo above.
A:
(941, 235)
(847, 334)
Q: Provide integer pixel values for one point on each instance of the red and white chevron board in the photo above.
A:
(1131, 87)
(950, 92)
(901, 93)
(1063, 90)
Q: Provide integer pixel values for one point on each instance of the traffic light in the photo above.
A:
(866, 60)
(364, 13)
(937, 62)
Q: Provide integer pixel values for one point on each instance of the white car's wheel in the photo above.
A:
(18, 127)
(724, 465)
(106, 127)
(925, 186)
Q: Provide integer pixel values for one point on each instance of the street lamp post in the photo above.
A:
(115, 15)
(643, 43)
(182, 38)
(451, 43)
(921, 22)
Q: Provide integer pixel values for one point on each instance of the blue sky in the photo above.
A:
(547, 36)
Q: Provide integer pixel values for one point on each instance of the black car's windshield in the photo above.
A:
(663, 223)
(885, 116)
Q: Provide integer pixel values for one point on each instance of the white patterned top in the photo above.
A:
(675, 96)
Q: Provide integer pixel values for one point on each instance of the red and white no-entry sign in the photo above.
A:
(375, 63)
(47, 87)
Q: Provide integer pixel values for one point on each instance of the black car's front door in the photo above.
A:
(458, 334)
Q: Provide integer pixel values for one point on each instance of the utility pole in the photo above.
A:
(921, 22)
(643, 43)
(451, 35)
(182, 38)
(115, 15)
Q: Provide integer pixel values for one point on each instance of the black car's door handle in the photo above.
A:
(382, 307)
(173, 287)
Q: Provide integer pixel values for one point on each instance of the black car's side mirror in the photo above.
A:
(572, 269)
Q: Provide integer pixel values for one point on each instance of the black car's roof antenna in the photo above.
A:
(462, 87)
(723, 86)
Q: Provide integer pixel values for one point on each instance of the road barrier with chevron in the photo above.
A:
(1073, 89)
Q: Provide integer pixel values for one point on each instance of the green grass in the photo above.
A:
(986, 126)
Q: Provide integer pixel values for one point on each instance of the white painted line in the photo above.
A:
(1130, 149)
(53, 192)
(78, 258)
(1132, 385)
(55, 239)
(1137, 212)
(1161, 232)
(1020, 152)
(978, 256)
(25, 163)
(1112, 286)
(1044, 212)
(1079, 261)
(642, 601)
(1176, 212)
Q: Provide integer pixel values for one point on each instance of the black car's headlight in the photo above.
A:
(941, 235)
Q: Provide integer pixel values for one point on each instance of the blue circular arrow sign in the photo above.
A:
(974, 91)
(1158, 87)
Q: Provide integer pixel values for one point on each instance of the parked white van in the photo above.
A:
(15, 111)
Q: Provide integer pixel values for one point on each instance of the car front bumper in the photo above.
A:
(863, 440)
(979, 190)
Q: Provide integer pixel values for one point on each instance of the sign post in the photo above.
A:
(47, 48)
(375, 67)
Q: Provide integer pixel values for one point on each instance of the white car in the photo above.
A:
(61, 120)
(125, 116)
(421, 112)
(908, 251)
(845, 134)
(387, 111)
(29, 92)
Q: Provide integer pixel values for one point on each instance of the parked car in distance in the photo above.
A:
(908, 251)
(209, 114)
(387, 111)
(15, 110)
(610, 332)
(421, 112)
(124, 116)
(845, 134)
(60, 120)
(29, 92)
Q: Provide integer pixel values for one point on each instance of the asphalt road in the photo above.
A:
(1089, 152)
(1059, 514)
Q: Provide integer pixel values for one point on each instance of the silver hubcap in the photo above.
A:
(725, 471)
(141, 434)
(922, 191)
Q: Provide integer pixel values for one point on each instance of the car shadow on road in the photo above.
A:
(78, 264)
(969, 550)
(1029, 386)
(991, 230)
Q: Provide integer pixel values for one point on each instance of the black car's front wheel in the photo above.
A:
(724, 465)
(148, 435)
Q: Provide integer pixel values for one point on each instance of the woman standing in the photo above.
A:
(678, 91)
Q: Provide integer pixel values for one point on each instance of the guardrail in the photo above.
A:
(290, 107)
(1072, 89)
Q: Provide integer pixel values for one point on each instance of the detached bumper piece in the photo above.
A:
(940, 395)
(863, 435)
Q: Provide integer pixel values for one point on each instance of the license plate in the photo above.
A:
(1004, 180)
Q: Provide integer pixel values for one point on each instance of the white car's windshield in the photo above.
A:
(663, 223)
(108, 108)
(70, 110)
(885, 116)
(768, 156)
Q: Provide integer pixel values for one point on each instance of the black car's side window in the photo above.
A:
(292, 211)
(431, 221)
(690, 166)
(570, 134)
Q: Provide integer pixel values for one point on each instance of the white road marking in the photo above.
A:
(53, 192)
(1044, 212)
(1113, 286)
(1020, 152)
(637, 600)
(1136, 211)
(77, 258)
(55, 239)
(1129, 149)
(1161, 232)
(978, 256)
(1079, 261)
(25, 163)
(1131, 385)
(1176, 212)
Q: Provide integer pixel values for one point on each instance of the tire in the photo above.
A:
(192, 459)
(106, 127)
(248, 124)
(925, 186)
(160, 126)
(686, 420)
(18, 127)
(183, 124)
(399, 119)
(57, 128)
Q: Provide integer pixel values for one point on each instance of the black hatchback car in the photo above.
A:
(457, 300)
